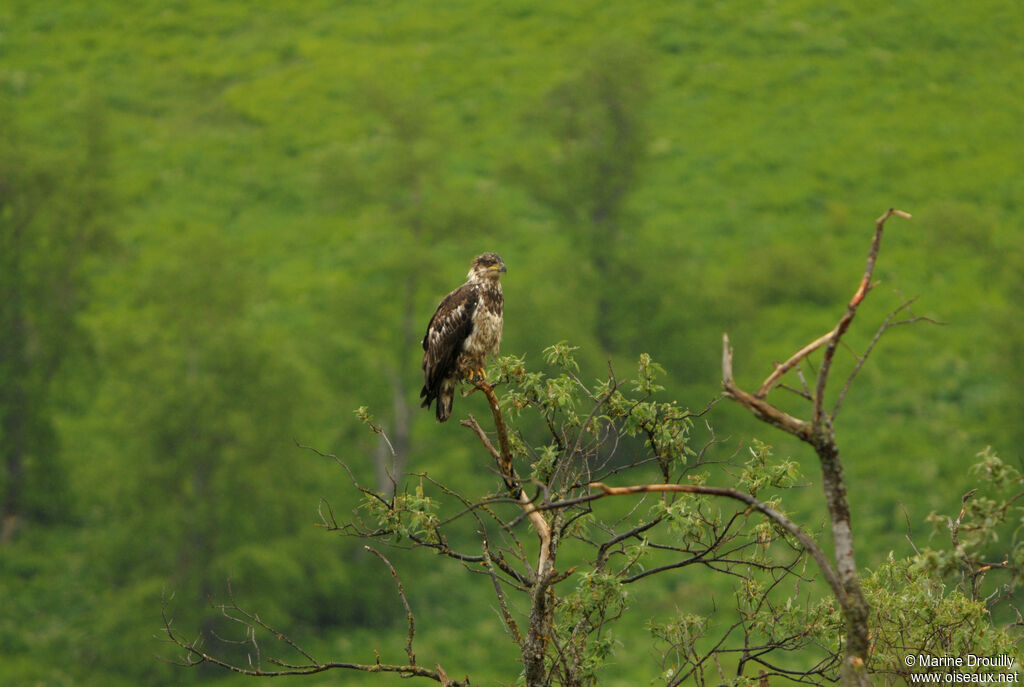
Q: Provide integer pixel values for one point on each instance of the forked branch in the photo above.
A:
(763, 410)
(890, 322)
(818, 432)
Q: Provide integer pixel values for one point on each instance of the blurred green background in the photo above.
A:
(226, 224)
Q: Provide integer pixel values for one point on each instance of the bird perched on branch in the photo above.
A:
(465, 329)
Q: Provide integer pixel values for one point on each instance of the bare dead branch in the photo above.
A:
(847, 318)
(195, 654)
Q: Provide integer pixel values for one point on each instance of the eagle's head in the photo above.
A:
(486, 267)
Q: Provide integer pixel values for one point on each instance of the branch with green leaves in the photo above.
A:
(556, 445)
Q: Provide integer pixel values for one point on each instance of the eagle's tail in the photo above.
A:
(445, 396)
(444, 392)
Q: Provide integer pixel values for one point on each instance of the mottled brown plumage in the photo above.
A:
(465, 329)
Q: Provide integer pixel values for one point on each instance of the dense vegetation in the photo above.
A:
(225, 225)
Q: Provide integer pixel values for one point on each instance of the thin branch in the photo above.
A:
(410, 619)
(633, 532)
(472, 423)
(598, 404)
(506, 614)
(910, 531)
(861, 359)
(344, 465)
(799, 392)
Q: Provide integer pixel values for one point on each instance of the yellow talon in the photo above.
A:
(477, 374)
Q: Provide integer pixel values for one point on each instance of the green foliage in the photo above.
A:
(915, 614)
(561, 355)
(760, 472)
(405, 516)
(684, 517)
(597, 599)
(986, 553)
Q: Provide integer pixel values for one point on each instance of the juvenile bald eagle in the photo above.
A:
(465, 329)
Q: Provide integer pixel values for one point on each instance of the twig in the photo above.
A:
(793, 361)
(861, 359)
(506, 614)
(910, 531)
(405, 602)
(195, 655)
(344, 465)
